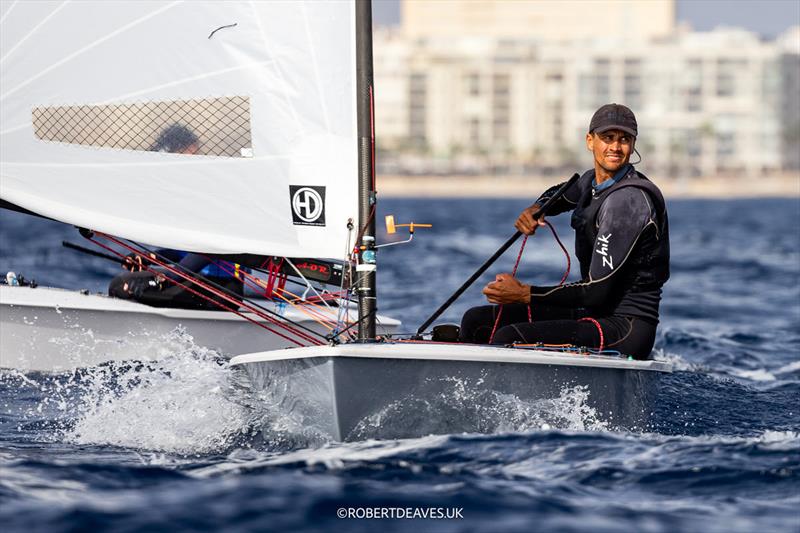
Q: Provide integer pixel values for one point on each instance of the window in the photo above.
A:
(417, 111)
(472, 82)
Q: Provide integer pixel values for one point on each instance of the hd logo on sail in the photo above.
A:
(308, 205)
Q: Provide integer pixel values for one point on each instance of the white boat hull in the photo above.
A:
(336, 390)
(47, 329)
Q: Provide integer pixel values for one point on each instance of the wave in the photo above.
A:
(181, 403)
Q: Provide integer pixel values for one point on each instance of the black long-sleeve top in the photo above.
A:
(626, 217)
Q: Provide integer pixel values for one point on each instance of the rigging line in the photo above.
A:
(308, 283)
(566, 253)
(328, 297)
(358, 280)
(290, 280)
(353, 324)
(224, 293)
(322, 103)
(305, 302)
(89, 46)
(312, 314)
(310, 306)
(249, 302)
(599, 330)
(33, 30)
(190, 279)
(315, 316)
(346, 324)
(348, 274)
(264, 326)
(278, 72)
(256, 309)
(253, 283)
(256, 284)
(366, 223)
(513, 273)
(345, 303)
(343, 317)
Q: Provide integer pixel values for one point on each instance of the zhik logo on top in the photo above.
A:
(308, 205)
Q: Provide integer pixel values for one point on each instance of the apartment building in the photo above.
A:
(708, 103)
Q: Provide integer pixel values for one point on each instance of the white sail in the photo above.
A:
(266, 90)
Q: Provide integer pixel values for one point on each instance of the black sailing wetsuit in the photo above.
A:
(622, 244)
(140, 286)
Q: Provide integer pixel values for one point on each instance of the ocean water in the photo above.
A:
(179, 445)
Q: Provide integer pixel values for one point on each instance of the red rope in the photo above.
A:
(307, 304)
(252, 281)
(599, 329)
(514, 272)
(234, 302)
(564, 249)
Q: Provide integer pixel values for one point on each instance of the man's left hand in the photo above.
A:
(506, 289)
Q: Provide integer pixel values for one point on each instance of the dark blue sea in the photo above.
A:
(164, 447)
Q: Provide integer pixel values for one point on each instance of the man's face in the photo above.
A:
(612, 149)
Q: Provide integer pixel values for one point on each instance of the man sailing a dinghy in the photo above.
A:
(154, 288)
(622, 244)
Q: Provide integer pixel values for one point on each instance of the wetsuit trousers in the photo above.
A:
(557, 325)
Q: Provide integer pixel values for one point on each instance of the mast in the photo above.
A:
(367, 305)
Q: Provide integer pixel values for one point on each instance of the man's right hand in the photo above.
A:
(135, 262)
(526, 223)
(136, 286)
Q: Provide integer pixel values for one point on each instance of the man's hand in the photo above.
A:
(136, 263)
(137, 286)
(526, 223)
(506, 289)
(133, 262)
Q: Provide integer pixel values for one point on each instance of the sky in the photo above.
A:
(765, 17)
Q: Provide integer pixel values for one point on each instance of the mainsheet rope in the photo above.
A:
(514, 273)
(235, 303)
(276, 289)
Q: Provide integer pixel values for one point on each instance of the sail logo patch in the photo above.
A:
(308, 205)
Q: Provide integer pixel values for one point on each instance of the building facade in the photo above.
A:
(552, 20)
(721, 102)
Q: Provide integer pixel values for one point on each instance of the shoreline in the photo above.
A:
(396, 186)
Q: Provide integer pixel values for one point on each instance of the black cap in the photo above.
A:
(613, 117)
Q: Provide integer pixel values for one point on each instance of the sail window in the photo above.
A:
(209, 126)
